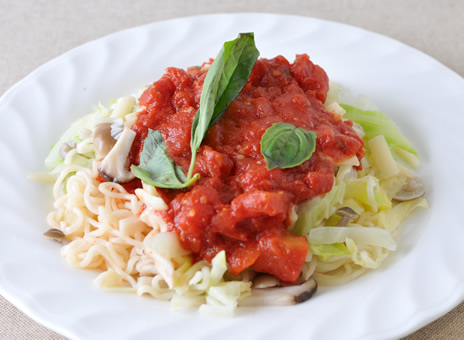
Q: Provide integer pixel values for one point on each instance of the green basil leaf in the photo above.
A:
(157, 168)
(240, 56)
(285, 146)
(226, 77)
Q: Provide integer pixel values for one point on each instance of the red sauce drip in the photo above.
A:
(238, 205)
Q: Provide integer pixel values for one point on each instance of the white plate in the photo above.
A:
(420, 282)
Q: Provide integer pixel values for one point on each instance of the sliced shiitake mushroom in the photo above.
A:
(56, 235)
(285, 295)
(115, 167)
(413, 188)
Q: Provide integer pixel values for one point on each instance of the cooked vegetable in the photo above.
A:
(103, 141)
(287, 295)
(313, 212)
(265, 281)
(66, 147)
(413, 188)
(157, 168)
(57, 235)
(124, 105)
(114, 166)
(347, 215)
(383, 157)
(55, 157)
(284, 145)
(375, 123)
(361, 235)
(326, 251)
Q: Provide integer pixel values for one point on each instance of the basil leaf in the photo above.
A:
(240, 57)
(157, 168)
(285, 146)
(226, 77)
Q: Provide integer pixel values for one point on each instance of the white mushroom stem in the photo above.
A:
(288, 295)
(115, 165)
(347, 215)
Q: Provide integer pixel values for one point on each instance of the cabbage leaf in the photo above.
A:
(376, 123)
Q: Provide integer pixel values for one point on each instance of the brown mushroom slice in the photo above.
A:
(56, 235)
(280, 296)
(103, 141)
(265, 281)
(66, 147)
(413, 188)
(115, 167)
(347, 215)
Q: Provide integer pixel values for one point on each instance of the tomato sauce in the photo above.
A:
(238, 205)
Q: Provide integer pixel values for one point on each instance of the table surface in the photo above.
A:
(34, 31)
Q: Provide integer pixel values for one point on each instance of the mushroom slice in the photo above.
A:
(280, 296)
(413, 188)
(103, 140)
(347, 215)
(56, 235)
(265, 281)
(114, 167)
(116, 130)
(66, 147)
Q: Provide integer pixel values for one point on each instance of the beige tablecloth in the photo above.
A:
(34, 31)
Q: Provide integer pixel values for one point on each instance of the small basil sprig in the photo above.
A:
(226, 77)
(157, 168)
(285, 146)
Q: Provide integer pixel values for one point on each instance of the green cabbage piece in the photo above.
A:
(326, 251)
(314, 211)
(376, 123)
(218, 267)
(392, 218)
(367, 259)
(54, 158)
(72, 133)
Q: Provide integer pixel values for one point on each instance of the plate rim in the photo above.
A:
(28, 306)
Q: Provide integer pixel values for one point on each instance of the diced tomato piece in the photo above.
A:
(282, 254)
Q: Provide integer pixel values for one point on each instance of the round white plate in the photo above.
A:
(423, 280)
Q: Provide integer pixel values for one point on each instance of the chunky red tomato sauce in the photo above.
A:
(238, 205)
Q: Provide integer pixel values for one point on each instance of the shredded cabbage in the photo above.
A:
(73, 134)
(203, 285)
(345, 251)
(375, 123)
(373, 236)
(326, 251)
(316, 210)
